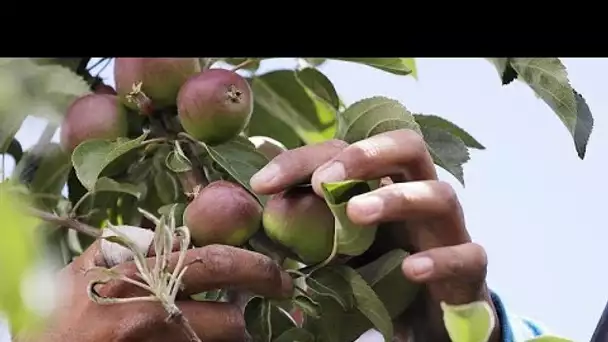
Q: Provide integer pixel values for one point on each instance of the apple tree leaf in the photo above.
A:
(280, 94)
(106, 184)
(265, 320)
(92, 157)
(325, 282)
(351, 239)
(368, 302)
(295, 335)
(447, 150)
(44, 170)
(387, 281)
(239, 158)
(320, 85)
(19, 251)
(548, 78)
(384, 275)
(471, 322)
(446, 125)
(505, 70)
(394, 65)
(373, 116)
(38, 89)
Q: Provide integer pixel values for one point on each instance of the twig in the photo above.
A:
(66, 222)
(101, 60)
(178, 317)
(243, 64)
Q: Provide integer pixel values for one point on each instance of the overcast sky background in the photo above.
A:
(529, 200)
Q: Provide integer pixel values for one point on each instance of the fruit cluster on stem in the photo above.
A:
(183, 104)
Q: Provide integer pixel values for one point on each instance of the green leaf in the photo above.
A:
(239, 159)
(265, 321)
(295, 335)
(471, 322)
(373, 116)
(92, 157)
(264, 124)
(167, 187)
(208, 296)
(320, 85)
(177, 161)
(368, 302)
(281, 95)
(19, 251)
(315, 61)
(394, 65)
(110, 185)
(505, 70)
(384, 275)
(309, 306)
(45, 171)
(444, 124)
(584, 125)
(549, 80)
(352, 239)
(447, 150)
(47, 89)
(328, 283)
(549, 338)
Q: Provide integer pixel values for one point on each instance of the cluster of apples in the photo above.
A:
(214, 106)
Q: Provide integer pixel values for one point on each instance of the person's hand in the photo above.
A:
(420, 214)
(78, 319)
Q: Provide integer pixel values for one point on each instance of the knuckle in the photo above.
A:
(269, 270)
(368, 148)
(416, 145)
(455, 263)
(481, 256)
(336, 143)
(235, 320)
(218, 259)
(447, 195)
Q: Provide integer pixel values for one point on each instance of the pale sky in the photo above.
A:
(529, 200)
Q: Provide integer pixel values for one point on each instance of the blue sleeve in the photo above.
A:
(515, 328)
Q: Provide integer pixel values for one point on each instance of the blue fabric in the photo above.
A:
(515, 328)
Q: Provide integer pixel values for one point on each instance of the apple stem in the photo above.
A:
(143, 102)
(176, 316)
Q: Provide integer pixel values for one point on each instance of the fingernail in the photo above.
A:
(334, 172)
(421, 266)
(367, 205)
(265, 176)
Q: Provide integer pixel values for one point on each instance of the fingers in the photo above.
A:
(433, 202)
(455, 273)
(399, 153)
(400, 201)
(215, 321)
(211, 321)
(294, 166)
(216, 267)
